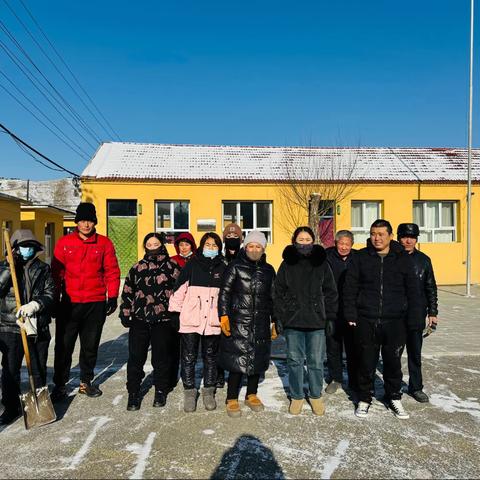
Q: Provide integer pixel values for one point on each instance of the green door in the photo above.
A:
(122, 231)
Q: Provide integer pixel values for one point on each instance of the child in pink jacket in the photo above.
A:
(195, 299)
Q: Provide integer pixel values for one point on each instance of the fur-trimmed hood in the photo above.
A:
(316, 258)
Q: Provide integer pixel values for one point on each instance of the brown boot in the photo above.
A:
(296, 406)
(318, 406)
(254, 403)
(233, 408)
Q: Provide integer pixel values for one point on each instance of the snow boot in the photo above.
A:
(254, 403)
(318, 406)
(233, 408)
(208, 396)
(190, 400)
(296, 406)
(332, 387)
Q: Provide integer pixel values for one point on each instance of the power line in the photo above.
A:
(68, 69)
(25, 144)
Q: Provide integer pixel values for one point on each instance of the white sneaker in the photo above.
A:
(397, 408)
(362, 409)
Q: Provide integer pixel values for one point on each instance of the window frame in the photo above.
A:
(365, 229)
(424, 229)
(172, 231)
(246, 231)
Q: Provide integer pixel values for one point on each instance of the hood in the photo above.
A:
(24, 236)
(395, 248)
(186, 237)
(292, 256)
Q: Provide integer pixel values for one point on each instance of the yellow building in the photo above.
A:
(9, 216)
(139, 188)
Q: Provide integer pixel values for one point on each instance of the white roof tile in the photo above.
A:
(118, 160)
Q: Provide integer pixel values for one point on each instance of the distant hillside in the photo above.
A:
(62, 193)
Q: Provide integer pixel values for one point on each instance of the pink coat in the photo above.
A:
(198, 307)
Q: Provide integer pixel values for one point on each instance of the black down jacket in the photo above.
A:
(35, 283)
(305, 290)
(381, 289)
(427, 287)
(246, 297)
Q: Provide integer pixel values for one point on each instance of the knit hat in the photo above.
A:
(255, 236)
(232, 228)
(86, 211)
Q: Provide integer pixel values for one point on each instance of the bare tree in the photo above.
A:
(312, 182)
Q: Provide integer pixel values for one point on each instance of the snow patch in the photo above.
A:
(117, 400)
(142, 452)
(65, 439)
(451, 403)
(333, 462)
(208, 431)
(470, 370)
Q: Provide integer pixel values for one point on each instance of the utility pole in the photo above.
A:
(469, 162)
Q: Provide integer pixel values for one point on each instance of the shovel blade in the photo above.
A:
(37, 412)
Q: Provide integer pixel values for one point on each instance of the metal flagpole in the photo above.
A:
(469, 164)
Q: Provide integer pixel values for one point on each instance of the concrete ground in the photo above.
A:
(98, 438)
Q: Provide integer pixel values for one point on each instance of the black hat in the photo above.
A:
(408, 230)
(86, 211)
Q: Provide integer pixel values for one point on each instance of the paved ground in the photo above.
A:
(98, 438)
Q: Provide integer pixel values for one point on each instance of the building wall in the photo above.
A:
(206, 202)
(9, 212)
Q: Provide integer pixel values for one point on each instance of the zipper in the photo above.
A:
(380, 307)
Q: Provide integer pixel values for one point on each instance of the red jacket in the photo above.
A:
(87, 270)
(178, 259)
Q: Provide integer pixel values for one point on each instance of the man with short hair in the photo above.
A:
(86, 273)
(407, 234)
(339, 258)
(380, 294)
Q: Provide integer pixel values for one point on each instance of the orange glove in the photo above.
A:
(225, 325)
(274, 332)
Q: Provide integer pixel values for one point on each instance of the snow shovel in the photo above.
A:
(36, 404)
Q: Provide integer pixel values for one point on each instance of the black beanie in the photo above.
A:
(86, 211)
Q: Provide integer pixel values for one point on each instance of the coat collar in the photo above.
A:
(292, 256)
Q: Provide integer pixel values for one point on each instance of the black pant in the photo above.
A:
(370, 339)
(189, 344)
(235, 382)
(86, 321)
(414, 351)
(342, 338)
(164, 341)
(12, 355)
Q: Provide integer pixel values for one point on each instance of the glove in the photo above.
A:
(274, 332)
(112, 304)
(29, 309)
(175, 320)
(29, 325)
(329, 328)
(225, 325)
(126, 321)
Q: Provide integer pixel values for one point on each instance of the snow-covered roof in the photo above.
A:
(139, 161)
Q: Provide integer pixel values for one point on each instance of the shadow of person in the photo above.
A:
(112, 356)
(248, 458)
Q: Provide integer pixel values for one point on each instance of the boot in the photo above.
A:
(208, 396)
(90, 390)
(318, 407)
(190, 400)
(133, 401)
(233, 408)
(296, 406)
(160, 399)
(332, 387)
(254, 403)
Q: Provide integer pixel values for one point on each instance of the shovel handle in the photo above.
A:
(13, 272)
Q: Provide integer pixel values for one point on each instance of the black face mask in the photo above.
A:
(232, 243)
(154, 251)
(304, 248)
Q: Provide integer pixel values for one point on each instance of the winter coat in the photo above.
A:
(196, 295)
(148, 288)
(86, 270)
(35, 283)
(305, 290)
(339, 268)
(427, 287)
(246, 297)
(178, 259)
(381, 289)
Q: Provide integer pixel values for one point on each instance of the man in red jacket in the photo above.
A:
(86, 273)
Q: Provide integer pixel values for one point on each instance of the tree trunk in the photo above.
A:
(314, 215)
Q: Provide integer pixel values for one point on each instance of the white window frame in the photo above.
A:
(365, 229)
(237, 219)
(172, 216)
(433, 230)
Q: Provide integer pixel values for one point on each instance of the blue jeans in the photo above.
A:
(301, 345)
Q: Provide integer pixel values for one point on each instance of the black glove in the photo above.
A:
(126, 321)
(112, 304)
(175, 320)
(330, 328)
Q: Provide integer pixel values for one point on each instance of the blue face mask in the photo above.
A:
(26, 252)
(210, 253)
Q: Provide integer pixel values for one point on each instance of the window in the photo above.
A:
(363, 215)
(437, 221)
(172, 217)
(250, 216)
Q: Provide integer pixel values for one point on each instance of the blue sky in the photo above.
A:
(374, 73)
